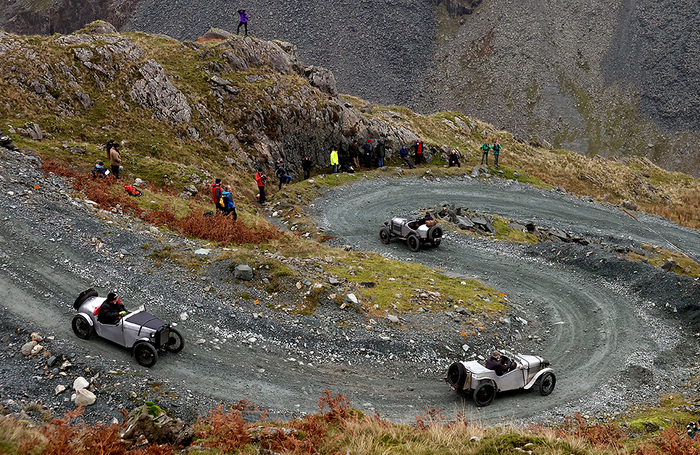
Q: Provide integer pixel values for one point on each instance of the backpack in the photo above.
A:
(132, 191)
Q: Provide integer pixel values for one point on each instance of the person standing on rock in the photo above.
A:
(453, 158)
(306, 165)
(260, 179)
(243, 20)
(334, 160)
(496, 151)
(419, 151)
(381, 153)
(403, 152)
(115, 160)
(485, 147)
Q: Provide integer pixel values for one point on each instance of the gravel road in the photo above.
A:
(612, 341)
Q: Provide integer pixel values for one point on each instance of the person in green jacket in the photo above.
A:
(485, 147)
(496, 151)
(334, 160)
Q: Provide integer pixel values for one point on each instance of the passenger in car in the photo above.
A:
(111, 310)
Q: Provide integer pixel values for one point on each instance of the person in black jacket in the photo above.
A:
(499, 364)
(112, 310)
(306, 165)
(453, 158)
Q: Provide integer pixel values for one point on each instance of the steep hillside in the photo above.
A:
(612, 79)
(234, 104)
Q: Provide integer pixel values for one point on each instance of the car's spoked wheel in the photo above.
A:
(413, 242)
(547, 383)
(81, 327)
(384, 235)
(484, 394)
(146, 355)
(175, 341)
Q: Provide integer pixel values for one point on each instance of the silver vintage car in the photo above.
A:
(415, 233)
(138, 330)
(527, 371)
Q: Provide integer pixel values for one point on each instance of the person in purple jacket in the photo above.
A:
(242, 21)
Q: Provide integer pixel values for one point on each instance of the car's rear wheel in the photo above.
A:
(456, 375)
(384, 235)
(547, 383)
(146, 355)
(413, 242)
(175, 341)
(435, 235)
(81, 327)
(484, 394)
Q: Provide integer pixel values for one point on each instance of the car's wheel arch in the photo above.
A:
(537, 377)
(86, 317)
(484, 385)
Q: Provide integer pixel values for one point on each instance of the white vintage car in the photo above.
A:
(138, 330)
(415, 233)
(528, 371)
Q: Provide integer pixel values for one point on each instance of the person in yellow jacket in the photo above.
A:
(334, 160)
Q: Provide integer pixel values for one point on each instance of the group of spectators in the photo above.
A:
(223, 199)
(115, 161)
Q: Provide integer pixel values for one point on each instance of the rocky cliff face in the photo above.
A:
(598, 78)
(259, 102)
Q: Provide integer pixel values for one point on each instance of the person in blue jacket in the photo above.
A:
(229, 206)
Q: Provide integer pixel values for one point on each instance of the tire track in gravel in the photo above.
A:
(586, 325)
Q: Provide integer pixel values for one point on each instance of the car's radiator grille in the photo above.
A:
(162, 336)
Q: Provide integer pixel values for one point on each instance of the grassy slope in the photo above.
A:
(158, 154)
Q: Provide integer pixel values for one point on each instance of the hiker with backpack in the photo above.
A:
(227, 202)
(485, 147)
(496, 152)
(216, 192)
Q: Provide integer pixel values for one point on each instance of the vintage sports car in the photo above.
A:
(415, 233)
(527, 371)
(138, 330)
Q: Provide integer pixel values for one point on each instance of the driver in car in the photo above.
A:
(499, 364)
(112, 310)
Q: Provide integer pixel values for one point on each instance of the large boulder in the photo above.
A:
(149, 424)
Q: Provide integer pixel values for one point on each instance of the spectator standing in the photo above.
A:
(306, 165)
(260, 179)
(229, 208)
(334, 160)
(216, 193)
(381, 153)
(453, 158)
(419, 151)
(242, 20)
(355, 154)
(115, 160)
(367, 152)
(281, 173)
(109, 145)
(485, 147)
(403, 152)
(496, 152)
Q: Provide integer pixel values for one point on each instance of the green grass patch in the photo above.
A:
(407, 287)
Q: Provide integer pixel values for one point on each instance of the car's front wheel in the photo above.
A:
(146, 355)
(413, 242)
(547, 383)
(484, 394)
(385, 236)
(175, 341)
(81, 327)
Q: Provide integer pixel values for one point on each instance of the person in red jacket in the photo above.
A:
(260, 178)
(216, 192)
